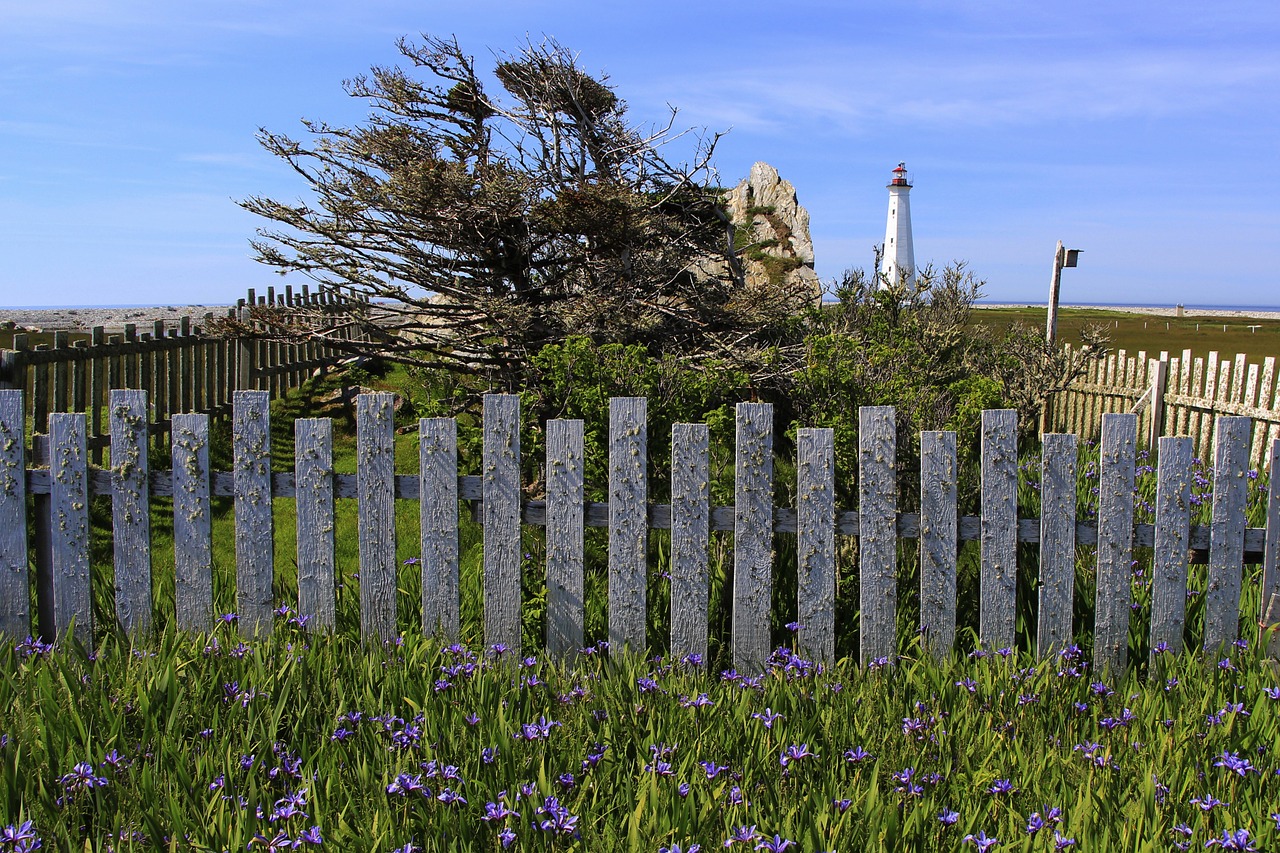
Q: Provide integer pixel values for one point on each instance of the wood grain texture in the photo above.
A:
(1115, 544)
(565, 495)
(816, 543)
(1226, 532)
(375, 469)
(1057, 543)
(628, 523)
(1173, 530)
(752, 536)
(15, 595)
(255, 543)
(1271, 554)
(690, 538)
(313, 497)
(131, 510)
(192, 524)
(938, 538)
(999, 573)
(438, 525)
(877, 532)
(500, 484)
(69, 526)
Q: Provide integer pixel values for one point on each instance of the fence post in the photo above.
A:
(877, 532)
(1115, 543)
(15, 597)
(999, 544)
(438, 524)
(69, 504)
(628, 523)
(375, 476)
(1173, 531)
(1226, 531)
(1159, 378)
(500, 492)
(1271, 558)
(1057, 542)
(690, 538)
(565, 610)
(255, 541)
(938, 523)
(192, 524)
(131, 510)
(816, 542)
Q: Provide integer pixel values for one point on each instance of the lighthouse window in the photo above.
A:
(890, 241)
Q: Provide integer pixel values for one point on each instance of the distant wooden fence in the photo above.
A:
(181, 369)
(1178, 396)
(64, 591)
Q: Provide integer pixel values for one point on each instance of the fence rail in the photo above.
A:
(1175, 396)
(69, 480)
(182, 369)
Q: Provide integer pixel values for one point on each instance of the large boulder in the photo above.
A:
(772, 231)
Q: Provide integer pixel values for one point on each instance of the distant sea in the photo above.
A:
(1187, 305)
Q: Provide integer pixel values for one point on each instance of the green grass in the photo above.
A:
(1134, 332)
(169, 727)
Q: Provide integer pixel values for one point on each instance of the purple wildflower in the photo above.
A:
(981, 841)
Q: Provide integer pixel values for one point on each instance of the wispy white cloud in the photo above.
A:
(856, 94)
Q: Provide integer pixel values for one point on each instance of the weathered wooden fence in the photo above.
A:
(1178, 396)
(181, 369)
(64, 594)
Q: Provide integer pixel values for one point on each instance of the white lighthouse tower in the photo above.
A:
(899, 260)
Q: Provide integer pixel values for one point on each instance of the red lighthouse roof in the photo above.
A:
(900, 176)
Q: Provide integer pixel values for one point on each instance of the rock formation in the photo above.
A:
(772, 231)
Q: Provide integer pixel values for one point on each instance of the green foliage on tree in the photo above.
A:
(488, 225)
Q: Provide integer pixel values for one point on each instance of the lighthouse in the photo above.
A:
(899, 260)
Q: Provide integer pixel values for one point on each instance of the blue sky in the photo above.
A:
(1146, 134)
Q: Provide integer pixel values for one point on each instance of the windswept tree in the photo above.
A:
(485, 227)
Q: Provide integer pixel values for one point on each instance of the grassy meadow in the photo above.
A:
(300, 741)
(1133, 332)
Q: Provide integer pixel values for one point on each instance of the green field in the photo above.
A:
(1134, 332)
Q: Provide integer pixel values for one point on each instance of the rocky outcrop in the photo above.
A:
(772, 231)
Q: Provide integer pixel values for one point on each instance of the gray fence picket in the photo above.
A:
(999, 543)
(565, 524)
(438, 524)
(1269, 614)
(500, 486)
(816, 542)
(375, 471)
(192, 524)
(314, 499)
(131, 509)
(255, 543)
(938, 538)
(690, 538)
(69, 525)
(752, 535)
(15, 594)
(628, 522)
(1226, 531)
(1057, 542)
(1115, 543)
(1173, 531)
(877, 532)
